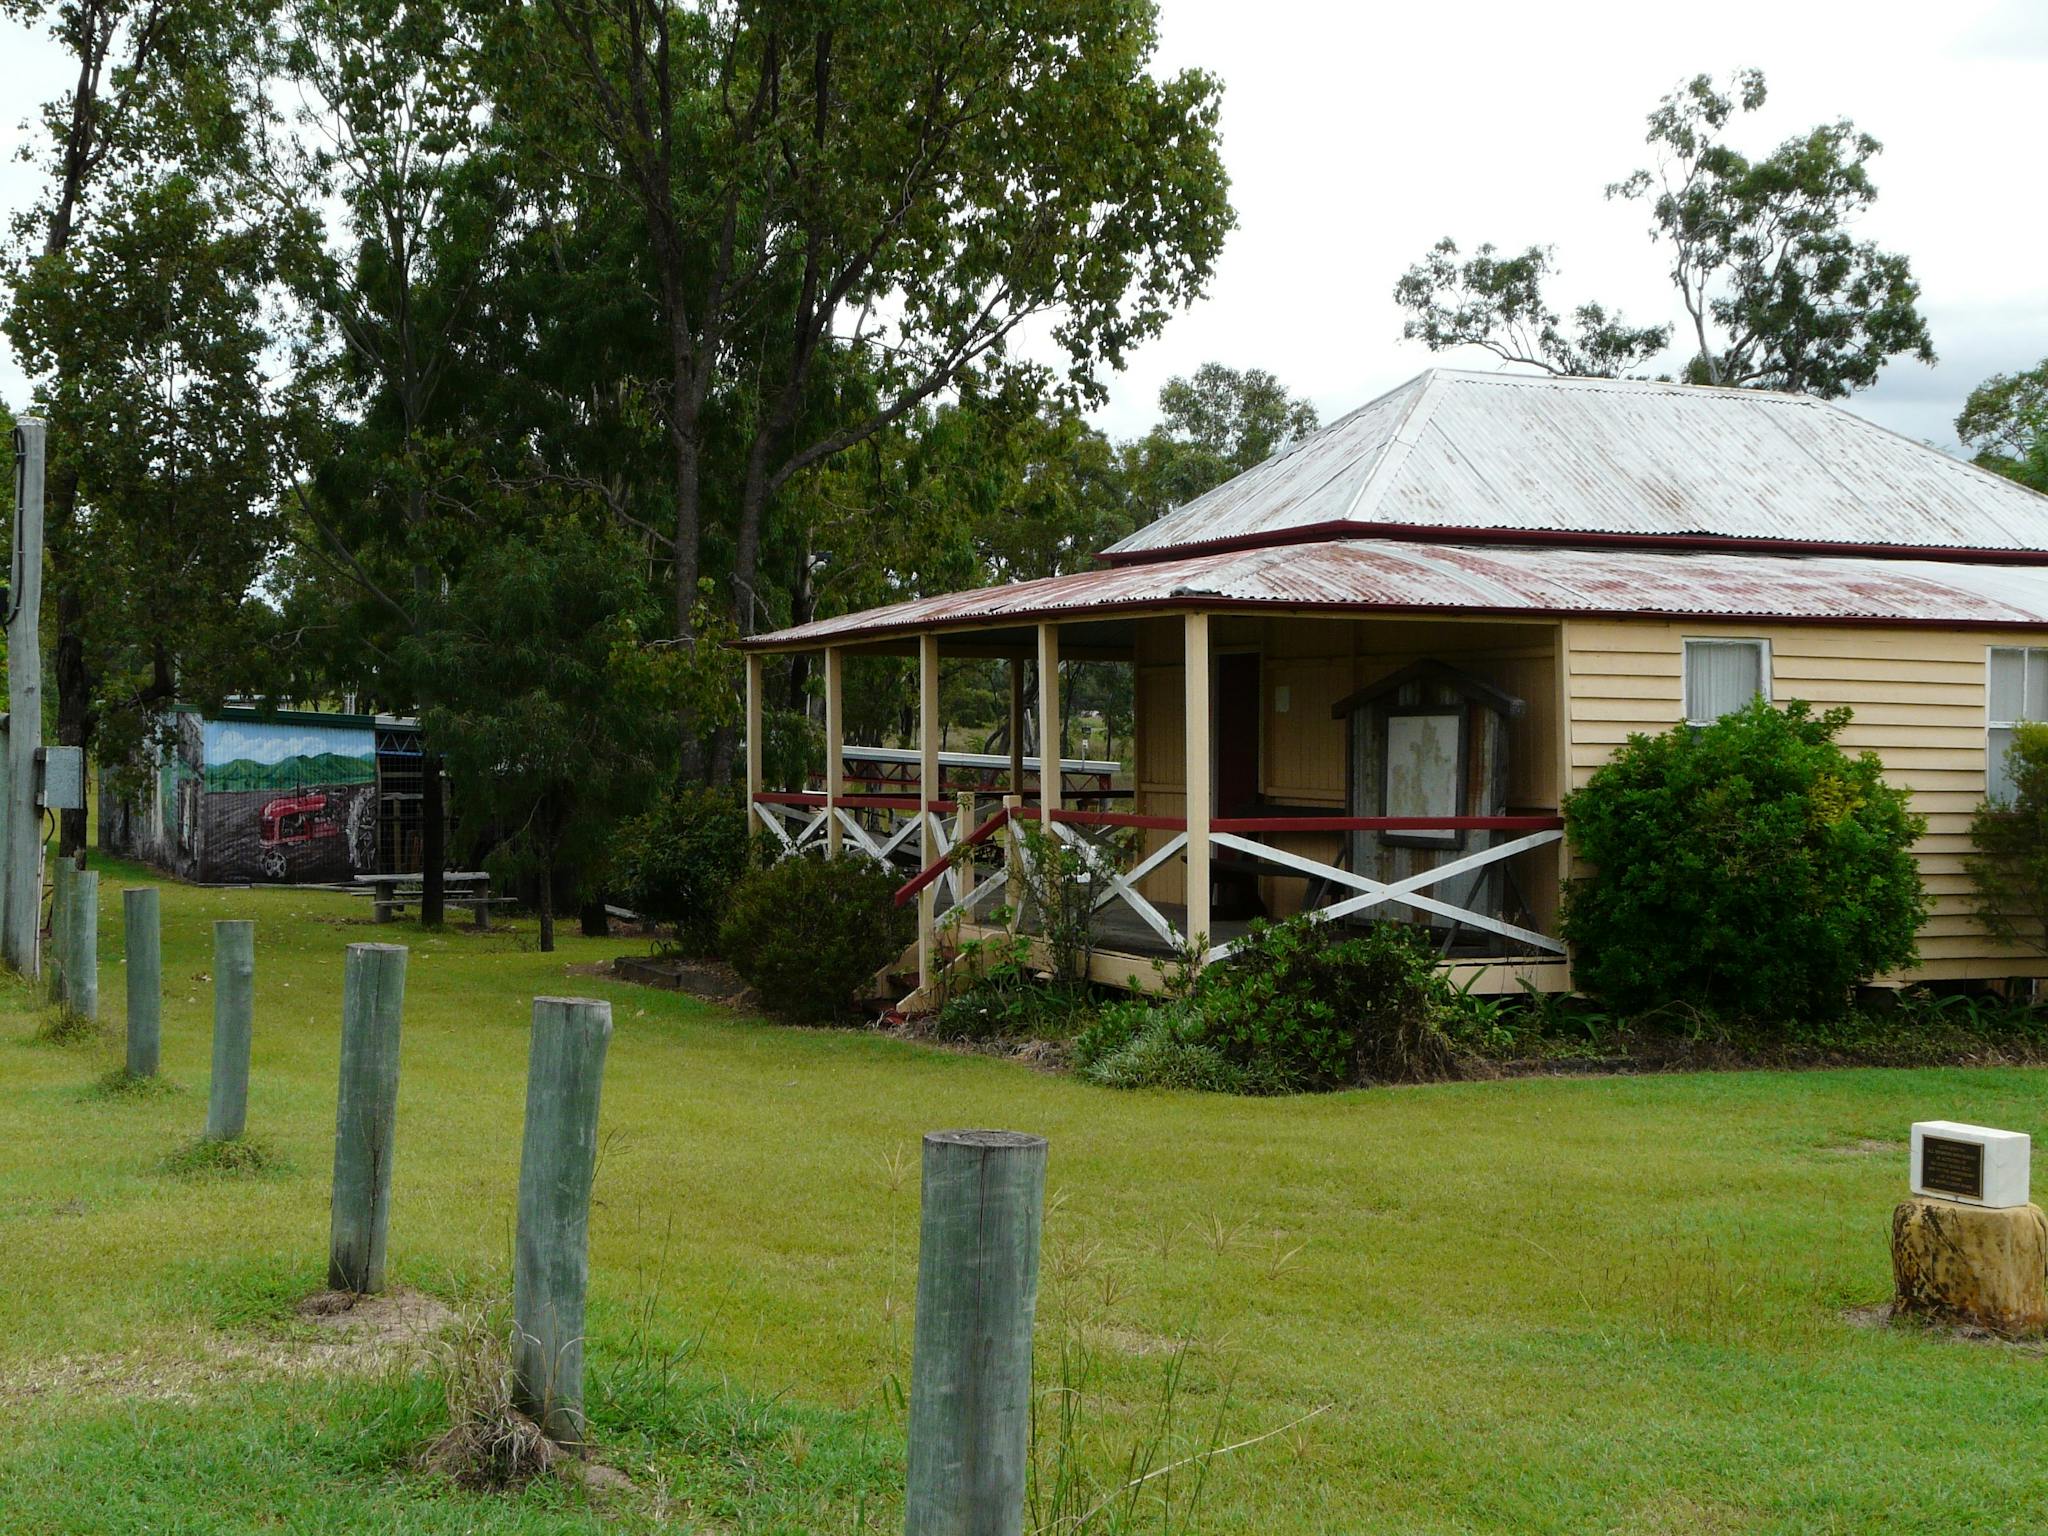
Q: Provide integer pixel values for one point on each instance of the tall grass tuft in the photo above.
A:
(488, 1444)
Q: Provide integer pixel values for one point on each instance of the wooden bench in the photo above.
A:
(471, 888)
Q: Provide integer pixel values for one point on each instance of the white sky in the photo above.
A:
(1358, 134)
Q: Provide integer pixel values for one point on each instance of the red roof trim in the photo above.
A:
(1316, 533)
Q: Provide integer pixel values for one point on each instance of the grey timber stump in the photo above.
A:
(970, 1370)
(365, 1115)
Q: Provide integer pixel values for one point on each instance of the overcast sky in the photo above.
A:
(1358, 134)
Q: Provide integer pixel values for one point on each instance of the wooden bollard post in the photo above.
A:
(62, 871)
(551, 1259)
(970, 1367)
(82, 946)
(234, 1010)
(142, 939)
(365, 1115)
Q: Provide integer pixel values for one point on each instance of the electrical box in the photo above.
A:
(60, 776)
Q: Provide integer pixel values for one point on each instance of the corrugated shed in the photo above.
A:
(1508, 453)
(1394, 576)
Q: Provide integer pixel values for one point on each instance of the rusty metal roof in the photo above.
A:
(1409, 577)
(1508, 454)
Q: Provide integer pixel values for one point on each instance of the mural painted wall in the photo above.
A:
(282, 801)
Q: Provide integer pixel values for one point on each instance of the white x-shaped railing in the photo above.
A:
(1124, 887)
(1406, 892)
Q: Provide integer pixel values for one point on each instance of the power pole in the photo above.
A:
(21, 882)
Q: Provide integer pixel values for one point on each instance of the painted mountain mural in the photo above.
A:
(296, 772)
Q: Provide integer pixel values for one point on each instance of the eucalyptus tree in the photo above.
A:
(137, 279)
(1213, 424)
(839, 175)
(1777, 290)
(2005, 423)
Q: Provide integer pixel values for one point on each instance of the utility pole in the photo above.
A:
(21, 882)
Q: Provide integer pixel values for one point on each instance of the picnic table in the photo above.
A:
(392, 894)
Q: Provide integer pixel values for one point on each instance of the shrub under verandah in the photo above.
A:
(1750, 868)
(809, 933)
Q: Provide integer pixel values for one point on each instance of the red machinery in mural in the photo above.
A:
(290, 822)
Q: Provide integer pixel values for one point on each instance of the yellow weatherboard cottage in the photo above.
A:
(1367, 670)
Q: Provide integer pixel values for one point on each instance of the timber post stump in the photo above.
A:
(62, 871)
(234, 1009)
(365, 1115)
(977, 1296)
(551, 1253)
(142, 940)
(82, 946)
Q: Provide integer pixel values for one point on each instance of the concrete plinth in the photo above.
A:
(1972, 1264)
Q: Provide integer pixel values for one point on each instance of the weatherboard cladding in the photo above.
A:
(1548, 580)
(1505, 453)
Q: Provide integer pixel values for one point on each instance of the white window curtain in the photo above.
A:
(1722, 676)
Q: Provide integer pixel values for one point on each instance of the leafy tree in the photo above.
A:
(830, 178)
(1780, 293)
(1750, 868)
(2010, 871)
(1777, 291)
(1497, 302)
(142, 160)
(2005, 421)
(1213, 425)
(552, 715)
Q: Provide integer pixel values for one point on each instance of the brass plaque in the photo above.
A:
(1952, 1167)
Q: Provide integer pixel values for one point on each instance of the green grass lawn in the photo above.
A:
(1540, 1305)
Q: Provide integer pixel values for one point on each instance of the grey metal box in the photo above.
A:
(61, 775)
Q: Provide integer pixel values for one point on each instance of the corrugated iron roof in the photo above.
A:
(1395, 576)
(1513, 453)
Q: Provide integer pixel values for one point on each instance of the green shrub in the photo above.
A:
(1114, 1026)
(808, 934)
(678, 863)
(1322, 1006)
(1168, 1046)
(2010, 872)
(1750, 868)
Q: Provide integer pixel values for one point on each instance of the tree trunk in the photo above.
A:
(74, 690)
(596, 922)
(433, 843)
(547, 907)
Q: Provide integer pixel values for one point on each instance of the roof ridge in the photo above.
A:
(1400, 443)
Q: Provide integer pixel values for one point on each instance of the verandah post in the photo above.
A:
(1195, 667)
(365, 1115)
(1013, 858)
(1017, 725)
(1051, 729)
(551, 1258)
(142, 943)
(970, 1369)
(234, 1007)
(754, 743)
(835, 747)
(82, 946)
(928, 792)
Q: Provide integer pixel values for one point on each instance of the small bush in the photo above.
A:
(1324, 1007)
(2010, 872)
(120, 1083)
(808, 934)
(244, 1157)
(678, 863)
(1751, 868)
(1170, 1048)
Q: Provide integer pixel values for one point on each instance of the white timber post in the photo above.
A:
(1050, 731)
(1195, 668)
(835, 749)
(753, 733)
(1017, 725)
(928, 792)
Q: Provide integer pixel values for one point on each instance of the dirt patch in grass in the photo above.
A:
(1884, 1315)
(712, 980)
(330, 1333)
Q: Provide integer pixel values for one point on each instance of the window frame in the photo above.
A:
(1764, 668)
(2031, 657)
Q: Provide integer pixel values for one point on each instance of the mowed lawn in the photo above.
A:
(1548, 1305)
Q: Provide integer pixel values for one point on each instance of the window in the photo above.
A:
(2017, 690)
(1722, 676)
